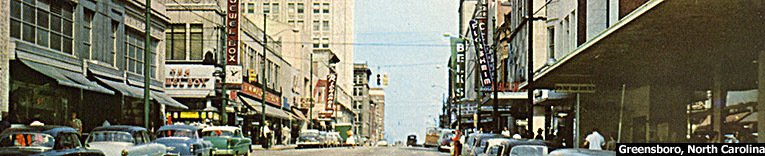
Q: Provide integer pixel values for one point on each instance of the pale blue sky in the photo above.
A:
(413, 46)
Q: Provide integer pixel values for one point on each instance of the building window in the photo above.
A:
(300, 8)
(316, 43)
(266, 8)
(176, 46)
(275, 8)
(326, 8)
(325, 42)
(251, 8)
(551, 42)
(113, 56)
(316, 25)
(325, 25)
(135, 53)
(88, 34)
(291, 8)
(316, 8)
(43, 22)
(196, 46)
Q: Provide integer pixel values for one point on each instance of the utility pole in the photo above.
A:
(265, 81)
(530, 64)
(147, 66)
(310, 107)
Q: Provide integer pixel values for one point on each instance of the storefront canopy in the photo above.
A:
(66, 78)
(270, 110)
(676, 42)
(136, 92)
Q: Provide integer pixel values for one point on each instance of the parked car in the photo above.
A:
(508, 147)
(227, 140)
(309, 138)
(432, 137)
(411, 140)
(445, 140)
(382, 143)
(476, 143)
(183, 140)
(124, 140)
(43, 140)
(334, 139)
(324, 139)
(581, 152)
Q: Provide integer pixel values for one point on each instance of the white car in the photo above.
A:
(382, 143)
(309, 138)
(124, 140)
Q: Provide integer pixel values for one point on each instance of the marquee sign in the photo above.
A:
(330, 100)
(190, 80)
(232, 28)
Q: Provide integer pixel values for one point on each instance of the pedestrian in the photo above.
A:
(457, 150)
(350, 140)
(595, 141)
(76, 123)
(506, 132)
(6, 123)
(611, 143)
(286, 135)
(539, 134)
(266, 136)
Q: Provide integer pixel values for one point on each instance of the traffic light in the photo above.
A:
(378, 79)
(385, 79)
(251, 77)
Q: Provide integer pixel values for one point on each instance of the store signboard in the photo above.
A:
(257, 93)
(484, 54)
(190, 79)
(232, 29)
(330, 99)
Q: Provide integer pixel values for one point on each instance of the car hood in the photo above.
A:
(110, 148)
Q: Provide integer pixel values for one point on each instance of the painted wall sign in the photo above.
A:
(232, 29)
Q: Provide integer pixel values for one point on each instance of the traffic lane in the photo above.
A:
(357, 151)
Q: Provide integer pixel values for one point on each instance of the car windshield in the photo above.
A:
(175, 133)
(28, 140)
(216, 133)
(309, 134)
(528, 150)
(110, 136)
(494, 150)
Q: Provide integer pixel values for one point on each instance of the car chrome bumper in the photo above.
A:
(225, 151)
(445, 147)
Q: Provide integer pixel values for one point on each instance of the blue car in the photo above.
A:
(183, 140)
(43, 140)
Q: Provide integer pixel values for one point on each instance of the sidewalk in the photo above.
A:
(274, 147)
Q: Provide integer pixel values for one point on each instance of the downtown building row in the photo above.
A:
(87, 57)
(628, 68)
(369, 102)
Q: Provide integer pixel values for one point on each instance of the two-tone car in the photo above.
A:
(43, 140)
(125, 141)
(309, 138)
(183, 140)
(227, 140)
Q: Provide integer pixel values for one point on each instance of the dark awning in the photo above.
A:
(136, 92)
(66, 77)
(270, 110)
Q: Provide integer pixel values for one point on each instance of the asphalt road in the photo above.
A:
(358, 151)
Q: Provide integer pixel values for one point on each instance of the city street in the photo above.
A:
(358, 151)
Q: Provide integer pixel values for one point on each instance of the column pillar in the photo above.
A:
(719, 95)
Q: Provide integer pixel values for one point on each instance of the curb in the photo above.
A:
(259, 148)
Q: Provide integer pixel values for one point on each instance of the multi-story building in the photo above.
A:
(377, 100)
(361, 101)
(85, 57)
(325, 25)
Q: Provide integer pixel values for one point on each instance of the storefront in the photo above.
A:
(194, 86)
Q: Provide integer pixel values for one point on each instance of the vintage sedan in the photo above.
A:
(183, 140)
(513, 147)
(43, 140)
(227, 140)
(309, 138)
(124, 140)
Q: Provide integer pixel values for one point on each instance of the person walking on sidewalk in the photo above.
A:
(266, 136)
(595, 141)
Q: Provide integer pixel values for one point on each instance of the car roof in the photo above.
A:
(123, 128)
(223, 128)
(52, 130)
(184, 127)
(515, 142)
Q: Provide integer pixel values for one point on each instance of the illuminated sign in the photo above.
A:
(484, 53)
